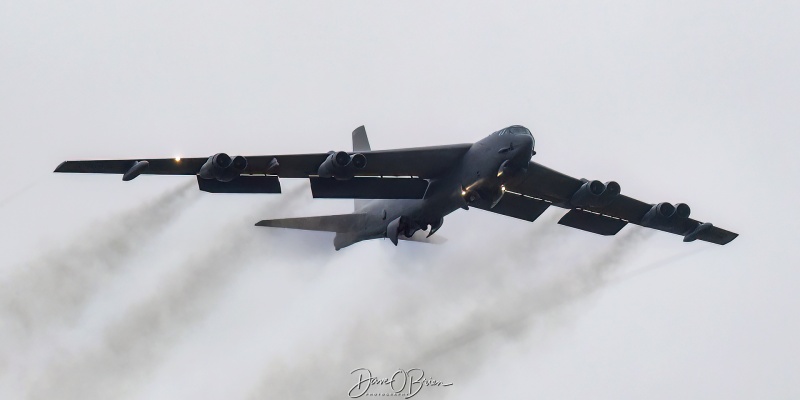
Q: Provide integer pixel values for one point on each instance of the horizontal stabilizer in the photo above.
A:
(326, 223)
(362, 187)
(591, 222)
(242, 184)
(517, 206)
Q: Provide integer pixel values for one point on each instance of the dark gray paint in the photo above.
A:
(414, 189)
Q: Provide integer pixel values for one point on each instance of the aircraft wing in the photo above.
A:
(422, 162)
(606, 216)
(407, 170)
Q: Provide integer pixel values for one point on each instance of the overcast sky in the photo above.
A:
(151, 290)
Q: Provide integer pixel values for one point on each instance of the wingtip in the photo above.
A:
(728, 237)
(733, 237)
(60, 167)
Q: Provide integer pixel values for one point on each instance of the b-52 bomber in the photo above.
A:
(399, 192)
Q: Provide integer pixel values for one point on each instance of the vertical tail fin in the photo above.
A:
(360, 143)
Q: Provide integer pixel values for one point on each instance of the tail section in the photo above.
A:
(360, 143)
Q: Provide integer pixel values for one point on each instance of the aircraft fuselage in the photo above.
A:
(479, 176)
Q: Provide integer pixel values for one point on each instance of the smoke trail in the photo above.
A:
(524, 307)
(451, 288)
(53, 289)
(518, 312)
(131, 346)
(496, 290)
(659, 264)
(19, 192)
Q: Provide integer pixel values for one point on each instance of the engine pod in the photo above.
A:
(659, 215)
(595, 194)
(359, 161)
(341, 165)
(682, 210)
(239, 164)
(222, 167)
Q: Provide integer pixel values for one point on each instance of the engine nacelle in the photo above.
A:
(222, 167)
(341, 165)
(662, 214)
(682, 210)
(595, 194)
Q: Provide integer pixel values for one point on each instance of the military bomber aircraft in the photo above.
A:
(399, 192)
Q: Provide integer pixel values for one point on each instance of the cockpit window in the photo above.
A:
(518, 130)
(514, 130)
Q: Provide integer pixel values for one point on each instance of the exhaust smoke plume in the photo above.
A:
(131, 346)
(441, 308)
(447, 315)
(52, 290)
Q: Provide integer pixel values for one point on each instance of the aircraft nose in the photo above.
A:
(523, 141)
(524, 144)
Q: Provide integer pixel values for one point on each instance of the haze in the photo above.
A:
(151, 290)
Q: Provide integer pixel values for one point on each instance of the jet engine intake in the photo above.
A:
(341, 165)
(662, 214)
(682, 210)
(222, 167)
(595, 194)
